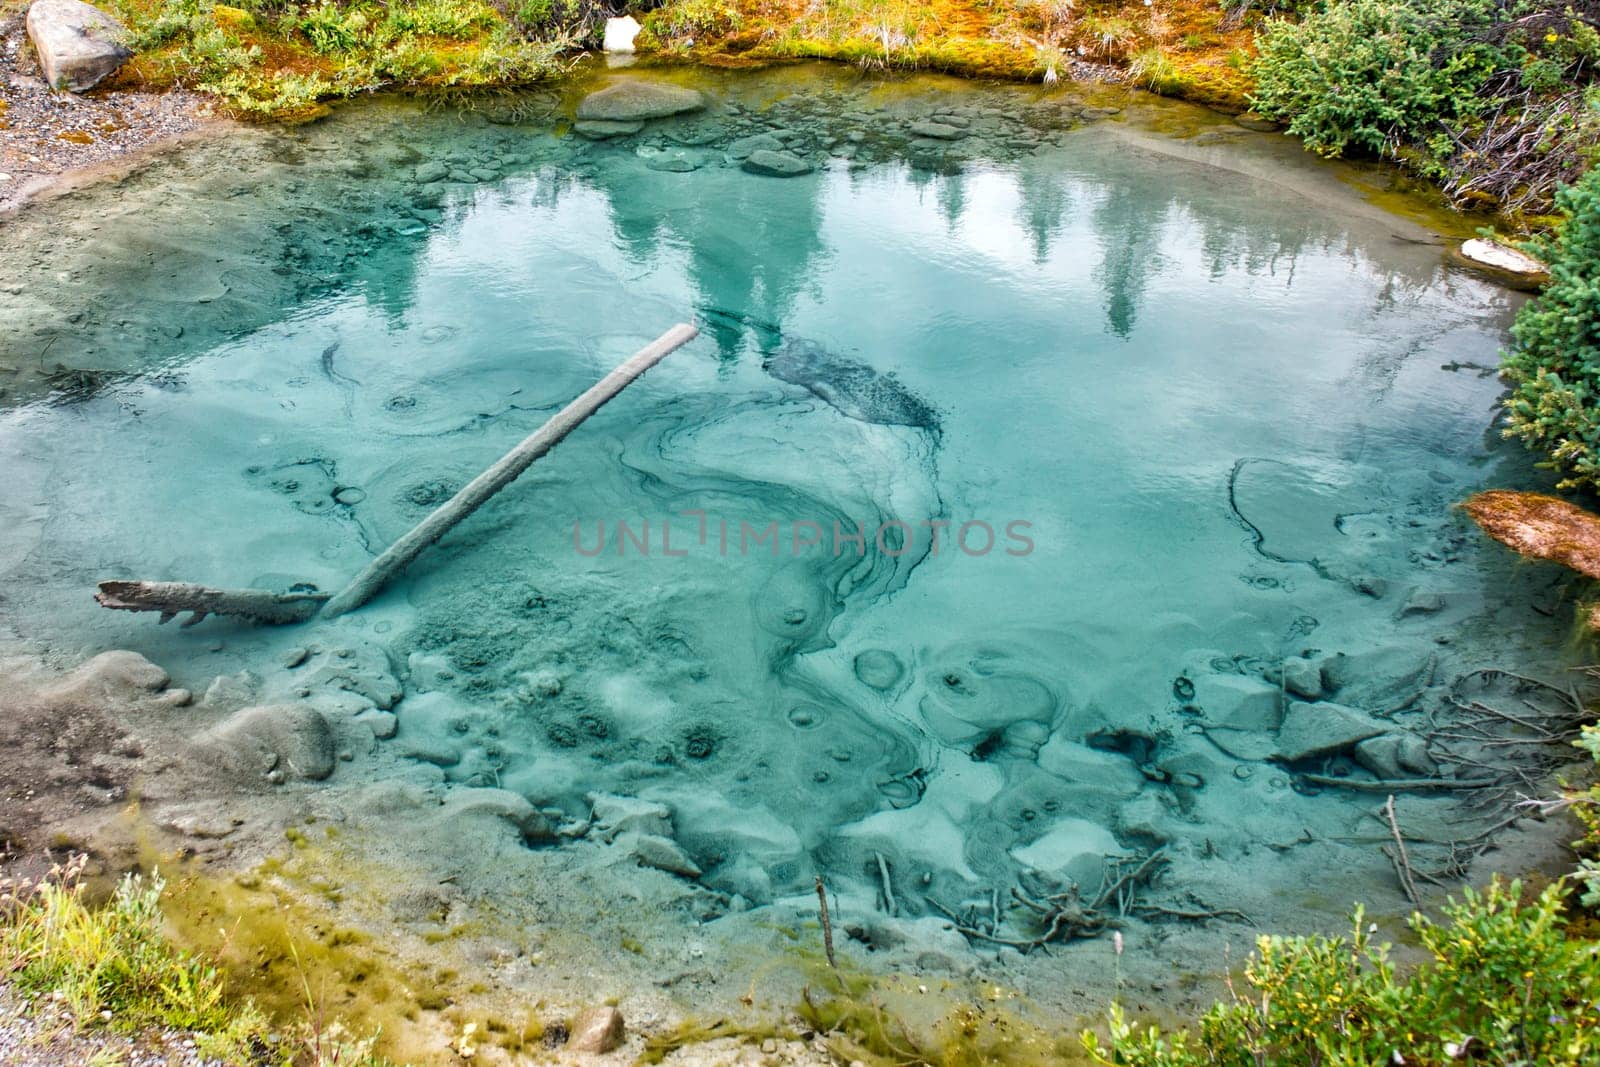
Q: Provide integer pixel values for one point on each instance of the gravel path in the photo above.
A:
(42, 1036)
(45, 133)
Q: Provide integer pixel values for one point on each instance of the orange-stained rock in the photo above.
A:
(1541, 527)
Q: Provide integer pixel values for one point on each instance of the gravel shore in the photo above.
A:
(44, 133)
(44, 1036)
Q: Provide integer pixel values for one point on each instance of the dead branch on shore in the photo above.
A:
(1401, 861)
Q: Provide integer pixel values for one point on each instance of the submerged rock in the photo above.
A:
(757, 142)
(1238, 701)
(500, 804)
(634, 100)
(1250, 120)
(614, 815)
(1302, 677)
(605, 129)
(272, 741)
(1396, 756)
(79, 45)
(879, 669)
(853, 388)
(662, 853)
(1073, 850)
(116, 677)
(939, 131)
(776, 164)
(1319, 729)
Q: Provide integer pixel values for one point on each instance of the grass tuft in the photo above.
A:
(113, 967)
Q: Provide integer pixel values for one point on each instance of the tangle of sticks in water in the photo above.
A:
(1066, 916)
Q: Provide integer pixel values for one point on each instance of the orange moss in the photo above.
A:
(1009, 39)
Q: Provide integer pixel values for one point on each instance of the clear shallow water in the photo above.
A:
(1218, 407)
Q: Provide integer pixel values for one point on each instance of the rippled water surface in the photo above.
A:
(1211, 424)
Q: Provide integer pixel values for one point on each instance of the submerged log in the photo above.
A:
(477, 492)
(171, 598)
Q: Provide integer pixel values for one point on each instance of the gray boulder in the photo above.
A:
(1319, 729)
(939, 131)
(756, 142)
(272, 741)
(79, 45)
(634, 100)
(776, 164)
(605, 129)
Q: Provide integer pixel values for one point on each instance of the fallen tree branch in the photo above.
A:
(889, 904)
(1402, 862)
(171, 598)
(257, 605)
(1398, 785)
(827, 922)
(477, 492)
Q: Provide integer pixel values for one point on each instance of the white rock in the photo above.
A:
(661, 853)
(78, 45)
(1073, 849)
(616, 815)
(1302, 677)
(1078, 763)
(620, 34)
(499, 804)
(1504, 259)
(598, 1029)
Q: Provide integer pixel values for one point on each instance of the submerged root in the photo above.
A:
(1067, 916)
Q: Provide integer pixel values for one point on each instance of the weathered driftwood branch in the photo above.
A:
(478, 491)
(259, 605)
(1401, 861)
(1398, 785)
(170, 598)
(827, 922)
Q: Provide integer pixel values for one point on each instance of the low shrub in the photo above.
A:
(1554, 365)
(1372, 74)
(1505, 984)
(113, 966)
(1490, 97)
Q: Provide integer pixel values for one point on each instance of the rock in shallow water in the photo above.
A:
(605, 129)
(776, 164)
(757, 142)
(1512, 266)
(939, 131)
(634, 100)
(1318, 729)
(272, 741)
(79, 45)
(116, 677)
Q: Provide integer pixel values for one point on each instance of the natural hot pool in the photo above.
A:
(1214, 418)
